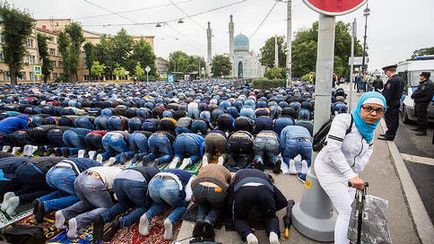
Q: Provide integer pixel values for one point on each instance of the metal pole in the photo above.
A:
(364, 40)
(313, 216)
(289, 44)
(353, 35)
(276, 52)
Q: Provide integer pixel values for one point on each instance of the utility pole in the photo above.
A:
(289, 44)
(208, 61)
(276, 52)
(353, 35)
(366, 13)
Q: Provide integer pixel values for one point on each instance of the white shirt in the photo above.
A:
(107, 174)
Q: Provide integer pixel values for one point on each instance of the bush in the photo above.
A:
(275, 73)
(309, 77)
(264, 83)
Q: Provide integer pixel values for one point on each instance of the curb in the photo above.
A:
(422, 223)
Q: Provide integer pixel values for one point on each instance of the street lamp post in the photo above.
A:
(366, 13)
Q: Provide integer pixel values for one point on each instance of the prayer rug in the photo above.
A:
(48, 225)
(22, 211)
(84, 237)
(193, 169)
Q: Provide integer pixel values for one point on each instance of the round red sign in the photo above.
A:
(334, 7)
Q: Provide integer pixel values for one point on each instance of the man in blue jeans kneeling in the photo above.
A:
(189, 148)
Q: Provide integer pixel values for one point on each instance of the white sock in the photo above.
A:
(13, 203)
(59, 220)
(292, 169)
(72, 230)
(111, 161)
(16, 150)
(5, 203)
(144, 225)
(221, 160)
(174, 163)
(304, 167)
(81, 153)
(273, 238)
(251, 239)
(26, 150)
(33, 149)
(91, 154)
(168, 229)
(99, 158)
(185, 163)
(6, 149)
(204, 160)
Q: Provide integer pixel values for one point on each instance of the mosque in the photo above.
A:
(245, 62)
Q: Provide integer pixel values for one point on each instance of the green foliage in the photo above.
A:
(181, 62)
(309, 77)
(17, 28)
(422, 52)
(265, 83)
(98, 69)
(142, 53)
(89, 51)
(47, 65)
(304, 50)
(275, 73)
(267, 52)
(119, 71)
(139, 72)
(221, 65)
(69, 42)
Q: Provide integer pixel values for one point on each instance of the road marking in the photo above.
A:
(417, 159)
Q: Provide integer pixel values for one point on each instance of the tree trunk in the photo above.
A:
(13, 75)
(72, 78)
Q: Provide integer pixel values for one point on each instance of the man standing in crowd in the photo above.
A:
(392, 92)
(422, 97)
(377, 84)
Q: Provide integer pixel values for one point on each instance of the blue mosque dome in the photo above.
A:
(241, 43)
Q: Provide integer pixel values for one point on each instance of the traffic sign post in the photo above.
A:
(314, 216)
(147, 69)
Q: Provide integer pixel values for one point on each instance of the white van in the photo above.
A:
(410, 71)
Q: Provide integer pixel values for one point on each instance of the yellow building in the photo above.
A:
(51, 28)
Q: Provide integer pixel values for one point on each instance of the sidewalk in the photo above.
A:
(384, 182)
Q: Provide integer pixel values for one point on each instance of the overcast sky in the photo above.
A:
(395, 27)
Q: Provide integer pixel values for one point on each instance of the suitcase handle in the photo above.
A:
(351, 185)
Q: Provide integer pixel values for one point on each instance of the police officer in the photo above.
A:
(422, 97)
(392, 92)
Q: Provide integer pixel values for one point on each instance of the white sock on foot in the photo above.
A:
(204, 160)
(16, 150)
(221, 160)
(6, 149)
(91, 154)
(5, 203)
(304, 167)
(251, 239)
(186, 162)
(144, 225)
(59, 220)
(81, 153)
(72, 230)
(99, 158)
(168, 229)
(292, 169)
(174, 163)
(13, 203)
(274, 238)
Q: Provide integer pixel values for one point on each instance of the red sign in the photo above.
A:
(334, 7)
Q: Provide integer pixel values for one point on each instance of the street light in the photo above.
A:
(158, 25)
(180, 21)
(366, 13)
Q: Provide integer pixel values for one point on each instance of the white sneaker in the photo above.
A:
(168, 229)
(91, 154)
(99, 158)
(81, 153)
(204, 160)
(174, 163)
(273, 238)
(251, 239)
(292, 169)
(111, 161)
(144, 225)
(186, 162)
(16, 150)
(304, 167)
(6, 149)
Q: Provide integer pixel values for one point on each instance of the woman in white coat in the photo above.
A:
(345, 155)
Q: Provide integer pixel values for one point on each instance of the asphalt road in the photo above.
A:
(409, 143)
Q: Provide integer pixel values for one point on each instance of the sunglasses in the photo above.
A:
(370, 109)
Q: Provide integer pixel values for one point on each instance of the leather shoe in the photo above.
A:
(416, 129)
(421, 133)
(385, 138)
(383, 135)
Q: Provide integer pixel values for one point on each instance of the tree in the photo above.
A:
(69, 41)
(275, 73)
(120, 50)
(17, 28)
(178, 61)
(120, 72)
(143, 54)
(47, 65)
(98, 69)
(267, 52)
(89, 51)
(221, 65)
(139, 72)
(422, 52)
(304, 49)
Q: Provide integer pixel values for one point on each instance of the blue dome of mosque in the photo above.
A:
(241, 43)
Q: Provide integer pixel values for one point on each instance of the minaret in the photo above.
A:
(231, 44)
(276, 52)
(208, 61)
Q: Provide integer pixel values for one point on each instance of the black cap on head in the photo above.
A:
(425, 74)
(388, 67)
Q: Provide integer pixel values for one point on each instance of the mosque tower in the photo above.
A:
(208, 61)
(231, 44)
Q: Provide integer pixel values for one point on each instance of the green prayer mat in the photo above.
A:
(192, 169)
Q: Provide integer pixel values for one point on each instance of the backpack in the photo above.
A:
(319, 139)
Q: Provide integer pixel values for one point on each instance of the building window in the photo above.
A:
(6, 76)
(32, 76)
(52, 51)
(2, 37)
(22, 76)
(31, 59)
(29, 43)
(2, 57)
(54, 63)
(60, 63)
(55, 75)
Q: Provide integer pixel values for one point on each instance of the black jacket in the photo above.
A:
(378, 84)
(424, 92)
(393, 90)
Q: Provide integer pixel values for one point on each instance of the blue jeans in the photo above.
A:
(281, 123)
(186, 147)
(94, 197)
(293, 147)
(266, 149)
(114, 144)
(74, 139)
(101, 122)
(84, 122)
(160, 149)
(165, 194)
(180, 130)
(61, 179)
(138, 144)
(131, 194)
(210, 203)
